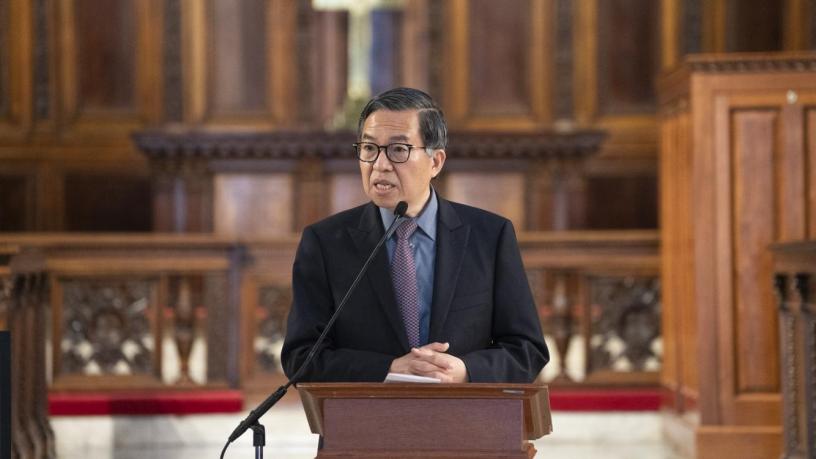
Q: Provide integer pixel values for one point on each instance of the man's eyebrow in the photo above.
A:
(404, 138)
(367, 137)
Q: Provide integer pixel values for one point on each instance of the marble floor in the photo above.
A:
(575, 435)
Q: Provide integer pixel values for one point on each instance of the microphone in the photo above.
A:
(260, 410)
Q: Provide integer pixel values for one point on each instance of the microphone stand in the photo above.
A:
(251, 421)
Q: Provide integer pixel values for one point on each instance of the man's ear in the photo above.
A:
(438, 159)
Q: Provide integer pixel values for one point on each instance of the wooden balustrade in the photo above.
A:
(22, 312)
(795, 278)
(598, 290)
(120, 302)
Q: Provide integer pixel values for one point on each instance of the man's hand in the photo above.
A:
(431, 361)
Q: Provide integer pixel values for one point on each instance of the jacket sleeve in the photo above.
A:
(517, 351)
(312, 307)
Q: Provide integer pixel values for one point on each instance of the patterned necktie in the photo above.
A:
(403, 275)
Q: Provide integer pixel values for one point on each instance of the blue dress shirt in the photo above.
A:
(423, 246)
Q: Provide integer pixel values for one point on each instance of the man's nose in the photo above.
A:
(382, 162)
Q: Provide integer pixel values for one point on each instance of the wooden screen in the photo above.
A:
(239, 62)
(106, 85)
(736, 177)
(497, 74)
(628, 56)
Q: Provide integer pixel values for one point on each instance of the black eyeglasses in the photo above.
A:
(395, 152)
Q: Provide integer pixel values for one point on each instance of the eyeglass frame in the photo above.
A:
(380, 148)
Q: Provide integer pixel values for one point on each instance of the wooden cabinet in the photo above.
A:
(737, 174)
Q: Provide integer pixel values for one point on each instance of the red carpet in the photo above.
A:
(169, 402)
(604, 400)
(231, 401)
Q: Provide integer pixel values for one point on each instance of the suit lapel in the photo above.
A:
(451, 240)
(365, 236)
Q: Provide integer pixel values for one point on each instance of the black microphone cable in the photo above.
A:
(254, 415)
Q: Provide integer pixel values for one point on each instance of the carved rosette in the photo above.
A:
(624, 324)
(106, 327)
(273, 304)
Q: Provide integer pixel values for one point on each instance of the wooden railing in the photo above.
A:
(795, 280)
(22, 312)
(153, 311)
(120, 306)
(598, 296)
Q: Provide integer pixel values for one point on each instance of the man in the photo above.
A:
(448, 299)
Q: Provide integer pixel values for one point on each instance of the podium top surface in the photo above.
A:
(534, 398)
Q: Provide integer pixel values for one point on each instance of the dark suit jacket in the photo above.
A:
(482, 304)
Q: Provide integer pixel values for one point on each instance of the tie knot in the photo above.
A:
(406, 228)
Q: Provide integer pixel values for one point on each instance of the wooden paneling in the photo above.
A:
(328, 65)
(238, 60)
(604, 55)
(498, 75)
(504, 196)
(253, 204)
(754, 25)
(107, 203)
(15, 68)
(734, 179)
(680, 370)
(16, 194)
(621, 202)
(346, 191)
(5, 93)
(753, 136)
(106, 55)
(107, 78)
(628, 56)
(810, 155)
(498, 38)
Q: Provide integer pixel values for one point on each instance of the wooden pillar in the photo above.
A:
(182, 196)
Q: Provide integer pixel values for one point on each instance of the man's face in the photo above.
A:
(388, 183)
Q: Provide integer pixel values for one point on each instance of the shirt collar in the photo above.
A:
(426, 220)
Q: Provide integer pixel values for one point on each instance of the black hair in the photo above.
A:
(432, 126)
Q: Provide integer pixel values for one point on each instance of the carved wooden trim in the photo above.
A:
(563, 105)
(165, 145)
(749, 63)
(172, 62)
(787, 337)
(42, 69)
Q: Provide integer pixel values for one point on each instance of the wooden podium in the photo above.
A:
(377, 420)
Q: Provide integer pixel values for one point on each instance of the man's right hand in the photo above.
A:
(411, 364)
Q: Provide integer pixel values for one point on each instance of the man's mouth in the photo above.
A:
(383, 186)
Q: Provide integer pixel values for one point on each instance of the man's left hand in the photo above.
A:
(452, 368)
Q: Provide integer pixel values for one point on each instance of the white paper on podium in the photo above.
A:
(405, 378)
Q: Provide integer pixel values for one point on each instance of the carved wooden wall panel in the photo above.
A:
(254, 204)
(615, 69)
(810, 153)
(680, 370)
(346, 191)
(108, 84)
(106, 202)
(735, 181)
(628, 56)
(504, 195)
(238, 62)
(754, 25)
(16, 195)
(497, 74)
(15, 68)
(753, 193)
